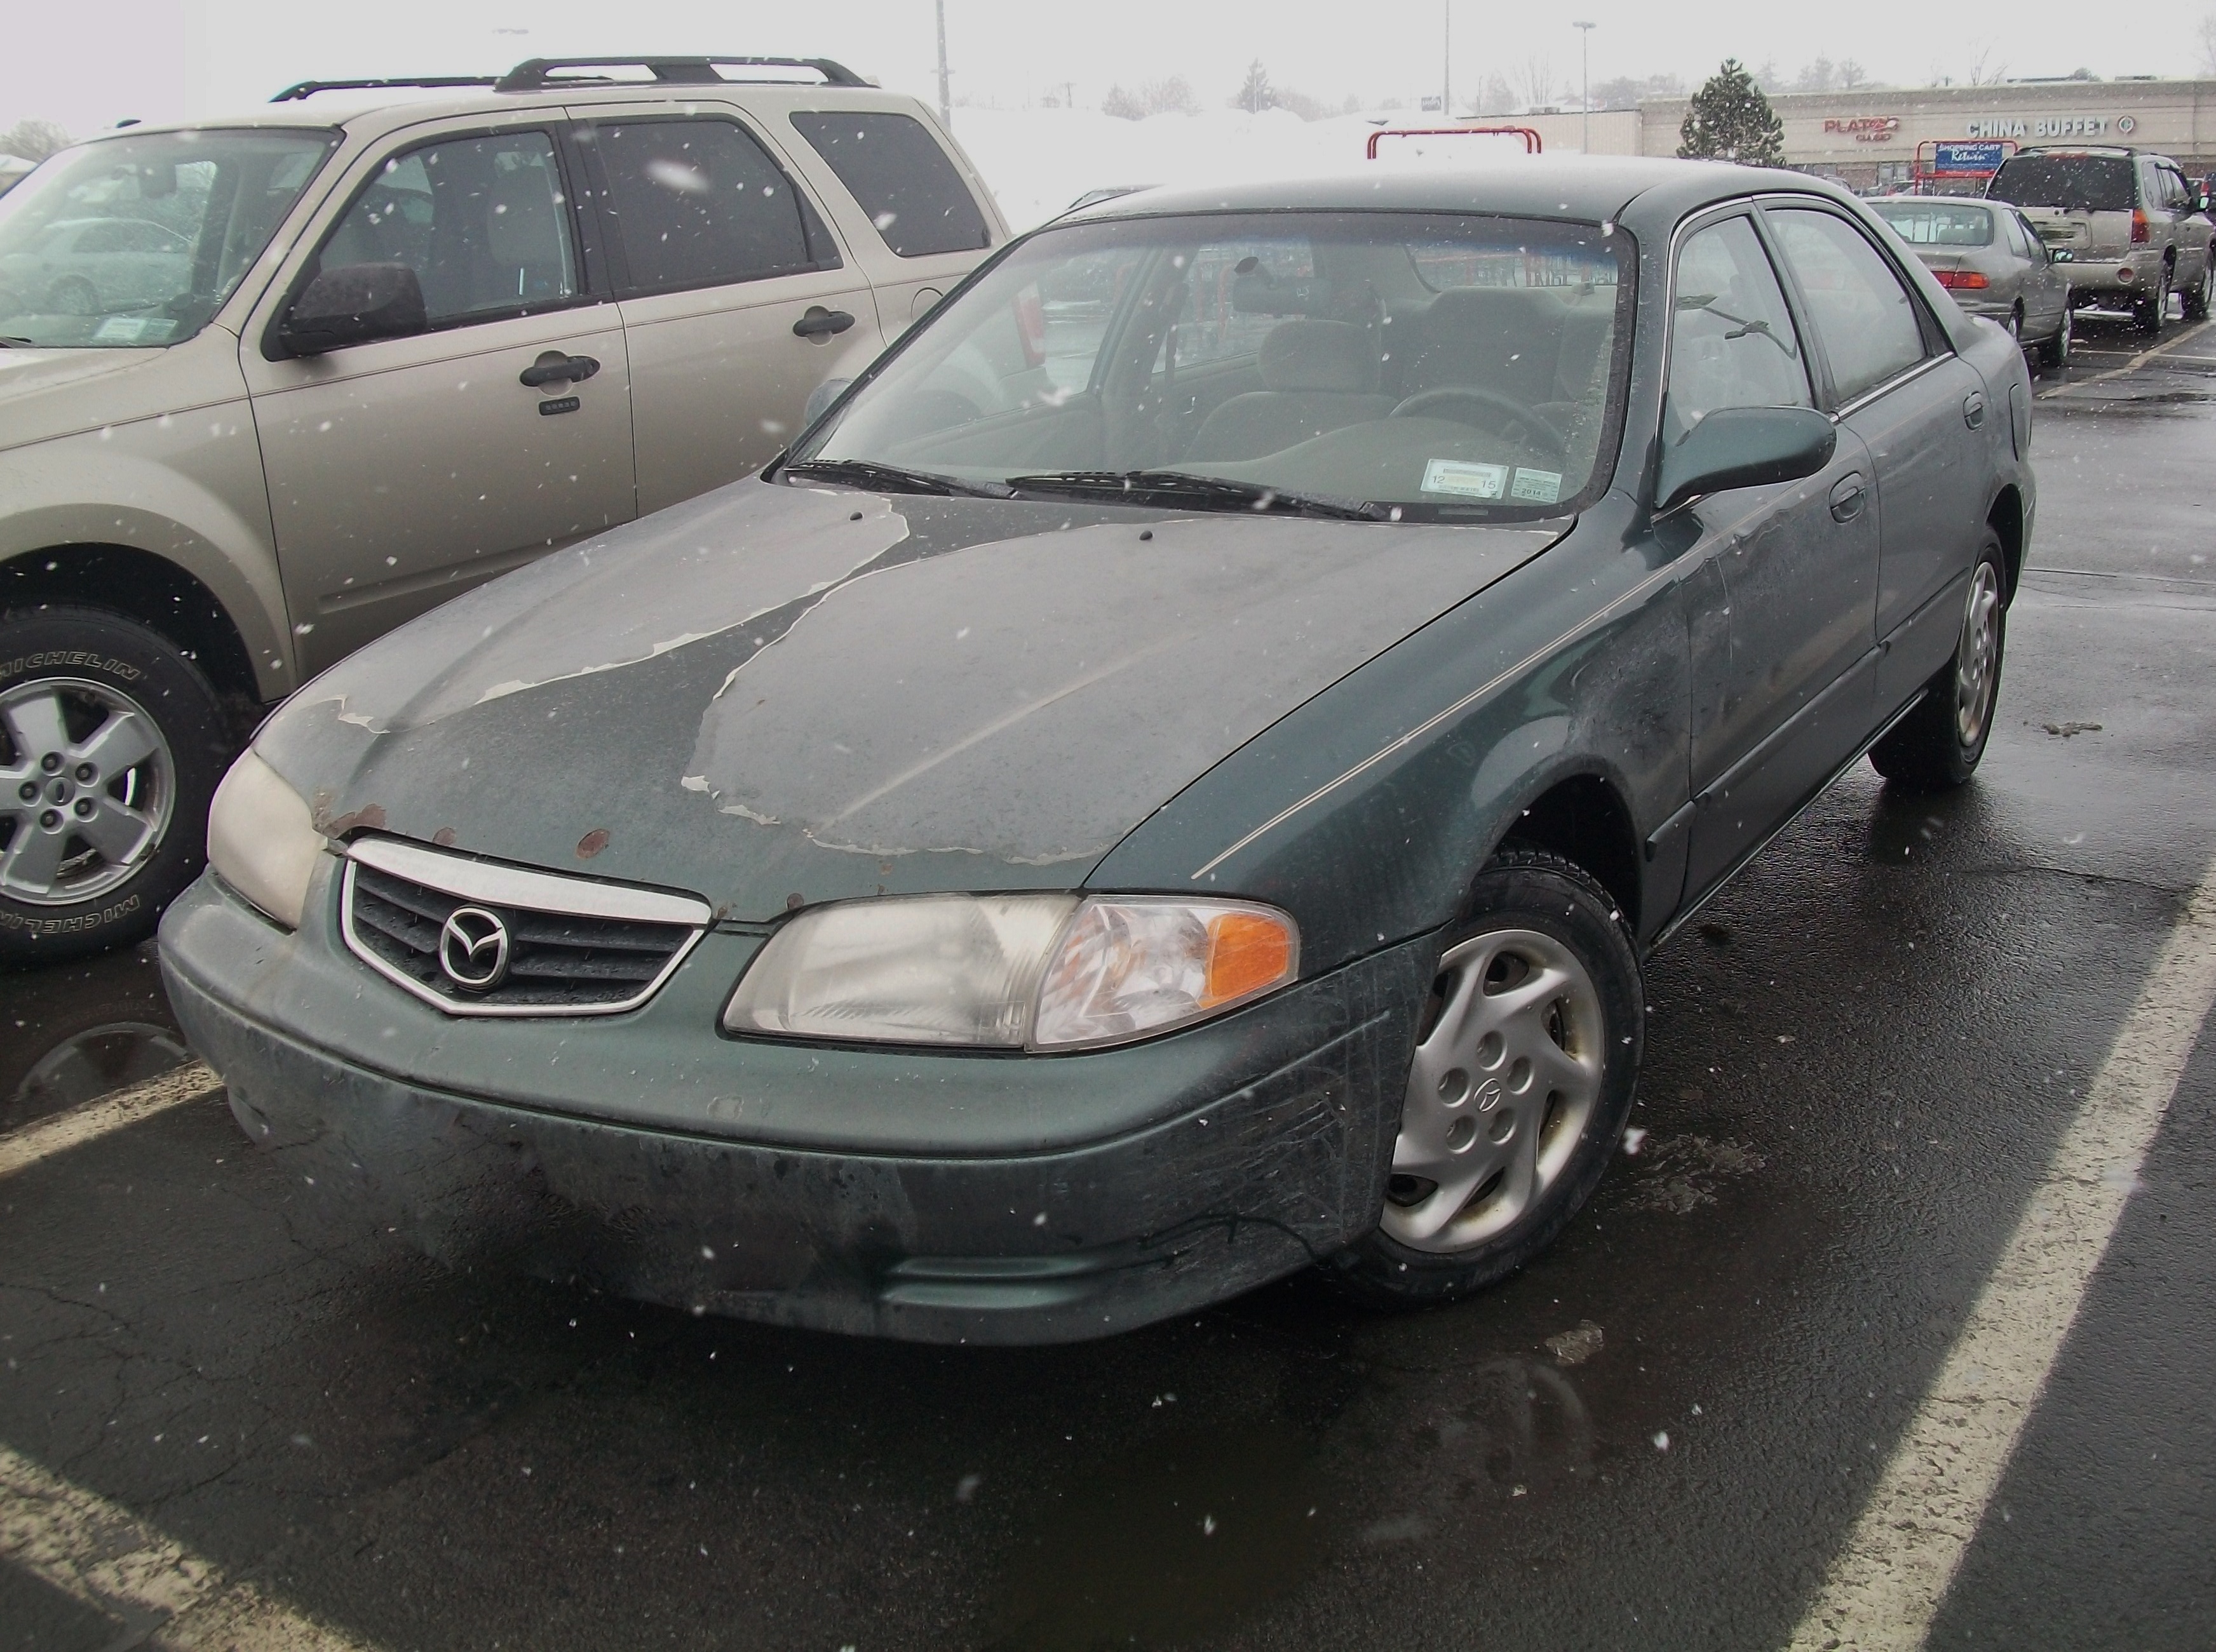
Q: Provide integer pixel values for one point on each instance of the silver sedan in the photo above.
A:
(1993, 262)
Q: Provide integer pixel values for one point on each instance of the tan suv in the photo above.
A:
(273, 386)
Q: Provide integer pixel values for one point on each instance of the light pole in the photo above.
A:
(1446, 59)
(1585, 76)
(945, 104)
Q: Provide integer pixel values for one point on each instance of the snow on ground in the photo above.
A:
(1038, 161)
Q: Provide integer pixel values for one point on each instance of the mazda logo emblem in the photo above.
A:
(473, 947)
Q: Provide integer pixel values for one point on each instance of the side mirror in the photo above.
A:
(820, 398)
(353, 304)
(1745, 447)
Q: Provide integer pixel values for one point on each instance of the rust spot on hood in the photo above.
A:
(592, 843)
(370, 817)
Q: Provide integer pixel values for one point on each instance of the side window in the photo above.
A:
(1731, 344)
(697, 202)
(904, 181)
(1859, 308)
(482, 221)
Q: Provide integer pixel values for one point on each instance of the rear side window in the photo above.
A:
(1859, 309)
(698, 203)
(903, 180)
(2076, 183)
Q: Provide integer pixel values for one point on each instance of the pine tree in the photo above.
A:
(1257, 94)
(1730, 119)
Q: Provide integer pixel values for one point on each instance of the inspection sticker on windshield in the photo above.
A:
(1544, 487)
(1470, 481)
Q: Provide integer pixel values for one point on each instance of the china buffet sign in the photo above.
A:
(1883, 128)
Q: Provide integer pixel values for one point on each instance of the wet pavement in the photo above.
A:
(1659, 1434)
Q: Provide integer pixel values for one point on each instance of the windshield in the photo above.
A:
(1928, 224)
(138, 241)
(2077, 183)
(1432, 365)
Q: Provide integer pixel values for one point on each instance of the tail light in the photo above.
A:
(2139, 228)
(1957, 280)
(1031, 326)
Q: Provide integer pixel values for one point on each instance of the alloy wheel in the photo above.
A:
(87, 788)
(1976, 655)
(1502, 1087)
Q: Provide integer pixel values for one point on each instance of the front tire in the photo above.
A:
(1937, 747)
(2054, 353)
(1519, 1087)
(111, 744)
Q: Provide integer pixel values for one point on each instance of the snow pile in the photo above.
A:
(1038, 161)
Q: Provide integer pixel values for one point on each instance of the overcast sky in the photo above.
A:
(90, 64)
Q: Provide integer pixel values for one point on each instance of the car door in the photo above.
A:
(2190, 227)
(2045, 293)
(737, 299)
(1781, 646)
(1925, 418)
(405, 470)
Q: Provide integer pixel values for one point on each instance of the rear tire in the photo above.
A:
(1937, 747)
(2196, 297)
(111, 744)
(2151, 313)
(1518, 1090)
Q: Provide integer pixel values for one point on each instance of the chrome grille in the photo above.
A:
(572, 946)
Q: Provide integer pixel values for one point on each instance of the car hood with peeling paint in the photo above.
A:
(778, 695)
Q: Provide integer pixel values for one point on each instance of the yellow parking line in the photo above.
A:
(108, 1559)
(2136, 361)
(21, 1149)
(1885, 1586)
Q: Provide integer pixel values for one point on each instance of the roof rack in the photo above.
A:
(538, 74)
(300, 91)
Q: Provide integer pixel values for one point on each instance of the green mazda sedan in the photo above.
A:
(1169, 782)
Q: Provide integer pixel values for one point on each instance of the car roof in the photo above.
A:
(371, 108)
(1571, 189)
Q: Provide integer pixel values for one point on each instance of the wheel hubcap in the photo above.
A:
(1504, 1082)
(87, 787)
(1976, 655)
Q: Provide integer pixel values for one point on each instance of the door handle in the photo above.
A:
(554, 368)
(822, 323)
(1848, 497)
(1973, 409)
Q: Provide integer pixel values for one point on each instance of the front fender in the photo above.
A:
(1366, 812)
(185, 487)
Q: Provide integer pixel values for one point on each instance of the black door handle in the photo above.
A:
(822, 323)
(1847, 498)
(552, 369)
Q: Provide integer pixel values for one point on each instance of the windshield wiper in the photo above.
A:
(1209, 493)
(868, 473)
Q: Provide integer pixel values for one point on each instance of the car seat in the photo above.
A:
(1317, 376)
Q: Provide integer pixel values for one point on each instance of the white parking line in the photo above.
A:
(20, 1149)
(163, 1593)
(2141, 360)
(1884, 1587)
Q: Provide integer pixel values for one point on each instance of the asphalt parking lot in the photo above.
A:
(1709, 1417)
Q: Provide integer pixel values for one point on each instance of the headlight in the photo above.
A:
(1012, 972)
(261, 840)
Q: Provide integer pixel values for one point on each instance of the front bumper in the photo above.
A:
(1171, 1174)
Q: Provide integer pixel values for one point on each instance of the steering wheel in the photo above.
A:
(1428, 401)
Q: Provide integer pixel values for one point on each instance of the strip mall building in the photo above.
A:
(1872, 139)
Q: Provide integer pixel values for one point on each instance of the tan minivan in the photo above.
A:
(269, 387)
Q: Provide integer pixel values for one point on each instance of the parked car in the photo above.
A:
(269, 387)
(1990, 259)
(2128, 227)
(1064, 848)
